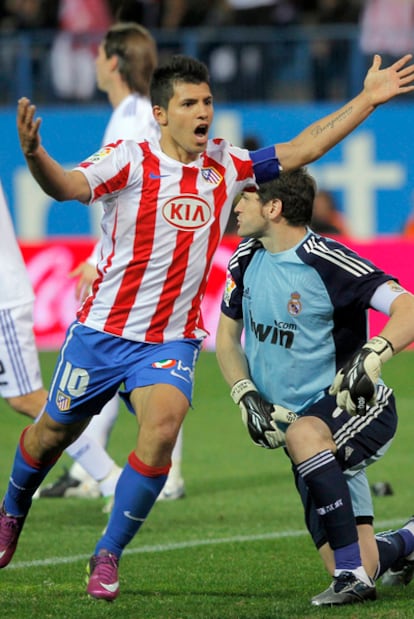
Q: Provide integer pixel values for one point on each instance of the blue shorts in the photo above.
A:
(360, 441)
(93, 365)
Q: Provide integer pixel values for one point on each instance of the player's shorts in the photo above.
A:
(93, 365)
(19, 361)
(360, 440)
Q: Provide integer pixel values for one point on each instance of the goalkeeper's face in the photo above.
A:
(252, 215)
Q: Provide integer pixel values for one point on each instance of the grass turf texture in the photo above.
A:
(235, 547)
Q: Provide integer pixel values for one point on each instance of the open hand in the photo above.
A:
(384, 84)
(28, 127)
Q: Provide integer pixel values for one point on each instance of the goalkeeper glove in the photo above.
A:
(355, 385)
(260, 416)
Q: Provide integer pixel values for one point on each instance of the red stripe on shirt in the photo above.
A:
(117, 182)
(244, 168)
(177, 269)
(220, 196)
(143, 243)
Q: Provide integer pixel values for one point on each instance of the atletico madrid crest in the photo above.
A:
(63, 401)
(211, 175)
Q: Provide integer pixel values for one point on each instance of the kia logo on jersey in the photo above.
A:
(187, 212)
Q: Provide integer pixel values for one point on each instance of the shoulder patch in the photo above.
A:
(228, 288)
(100, 154)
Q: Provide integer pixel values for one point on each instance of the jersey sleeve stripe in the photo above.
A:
(116, 183)
(347, 262)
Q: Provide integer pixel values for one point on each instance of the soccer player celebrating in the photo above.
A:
(165, 208)
(126, 59)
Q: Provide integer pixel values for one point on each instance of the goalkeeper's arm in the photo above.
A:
(258, 415)
(355, 385)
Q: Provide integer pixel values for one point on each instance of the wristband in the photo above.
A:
(240, 389)
(381, 346)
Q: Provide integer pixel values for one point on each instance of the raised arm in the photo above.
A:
(49, 174)
(380, 85)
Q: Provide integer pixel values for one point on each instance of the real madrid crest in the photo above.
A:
(294, 305)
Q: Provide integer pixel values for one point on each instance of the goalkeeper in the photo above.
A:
(302, 301)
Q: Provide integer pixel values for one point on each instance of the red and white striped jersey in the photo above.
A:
(162, 224)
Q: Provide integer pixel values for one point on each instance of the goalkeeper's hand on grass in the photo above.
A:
(260, 416)
(355, 385)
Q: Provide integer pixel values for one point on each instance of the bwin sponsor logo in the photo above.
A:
(279, 333)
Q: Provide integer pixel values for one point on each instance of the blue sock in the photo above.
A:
(136, 492)
(408, 539)
(390, 548)
(26, 476)
(393, 545)
(348, 557)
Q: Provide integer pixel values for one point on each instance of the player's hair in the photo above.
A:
(296, 190)
(137, 54)
(180, 68)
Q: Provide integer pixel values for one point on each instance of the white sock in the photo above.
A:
(91, 456)
(108, 484)
(98, 430)
(362, 575)
(77, 471)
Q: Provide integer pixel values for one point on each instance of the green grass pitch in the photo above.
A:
(235, 547)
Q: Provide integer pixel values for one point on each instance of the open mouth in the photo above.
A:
(201, 131)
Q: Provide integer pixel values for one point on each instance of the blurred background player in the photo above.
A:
(21, 382)
(126, 59)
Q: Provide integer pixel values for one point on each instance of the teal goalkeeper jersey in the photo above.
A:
(304, 312)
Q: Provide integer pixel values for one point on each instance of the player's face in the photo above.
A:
(186, 122)
(251, 219)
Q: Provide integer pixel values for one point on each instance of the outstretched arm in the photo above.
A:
(49, 174)
(380, 85)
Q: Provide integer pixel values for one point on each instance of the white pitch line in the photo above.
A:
(180, 545)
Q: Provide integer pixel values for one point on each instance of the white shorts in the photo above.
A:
(19, 360)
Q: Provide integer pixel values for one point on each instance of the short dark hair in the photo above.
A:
(296, 190)
(180, 68)
(136, 51)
